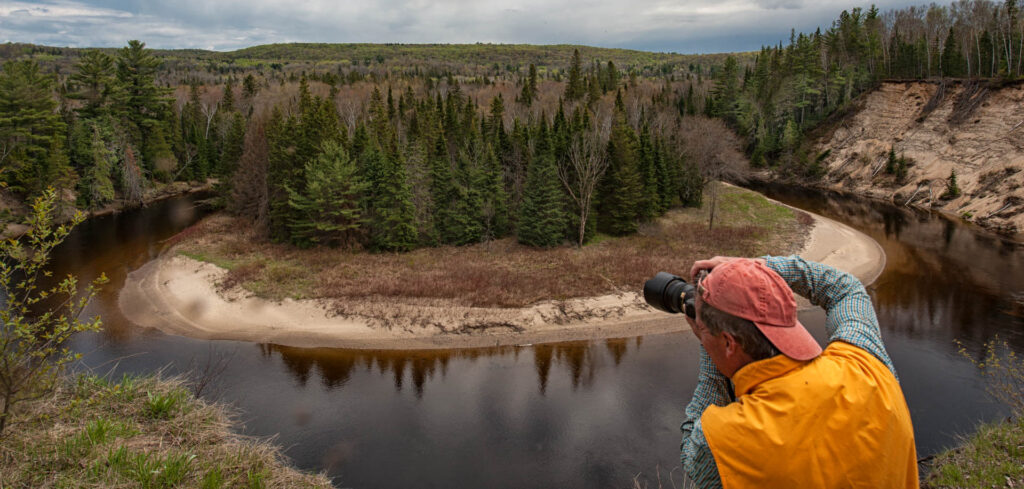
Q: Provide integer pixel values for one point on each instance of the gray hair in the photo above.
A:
(751, 339)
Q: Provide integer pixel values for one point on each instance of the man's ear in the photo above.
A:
(732, 347)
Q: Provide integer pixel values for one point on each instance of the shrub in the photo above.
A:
(37, 319)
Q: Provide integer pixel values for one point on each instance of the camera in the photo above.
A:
(670, 293)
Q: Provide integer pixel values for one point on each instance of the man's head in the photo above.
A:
(746, 312)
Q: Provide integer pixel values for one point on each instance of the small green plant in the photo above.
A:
(163, 405)
(173, 469)
(257, 478)
(952, 189)
(967, 215)
(1003, 372)
(214, 479)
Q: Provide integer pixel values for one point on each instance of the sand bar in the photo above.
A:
(179, 295)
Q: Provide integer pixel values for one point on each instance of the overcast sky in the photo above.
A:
(684, 26)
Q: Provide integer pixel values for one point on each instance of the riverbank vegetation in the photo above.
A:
(143, 432)
(994, 455)
(499, 273)
(58, 430)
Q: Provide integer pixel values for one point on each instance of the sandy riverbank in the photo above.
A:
(179, 295)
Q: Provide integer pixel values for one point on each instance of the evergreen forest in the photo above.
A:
(394, 147)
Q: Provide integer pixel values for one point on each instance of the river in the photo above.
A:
(583, 414)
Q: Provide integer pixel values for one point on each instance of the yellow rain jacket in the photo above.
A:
(837, 421)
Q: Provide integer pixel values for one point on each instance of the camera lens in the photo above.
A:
(665, 292)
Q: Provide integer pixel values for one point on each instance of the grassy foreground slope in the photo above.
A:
(139, 432)
(991, 457)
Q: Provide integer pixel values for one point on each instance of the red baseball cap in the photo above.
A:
(748, 289)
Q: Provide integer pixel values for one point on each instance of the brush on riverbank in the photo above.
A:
(139, 432)
(498, 273)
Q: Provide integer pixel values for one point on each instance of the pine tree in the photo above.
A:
(138, 101)
(329, 210)
(725, 95)
(31, 130)
(94, 78)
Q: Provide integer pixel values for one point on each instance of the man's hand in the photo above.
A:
(714, 262)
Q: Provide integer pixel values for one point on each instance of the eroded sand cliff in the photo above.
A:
(973, 128)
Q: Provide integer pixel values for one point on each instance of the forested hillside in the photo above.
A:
(790, 89)
(391, 147)
(384, 154)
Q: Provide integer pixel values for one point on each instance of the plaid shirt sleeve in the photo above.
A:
(849, 314)
(712, 388)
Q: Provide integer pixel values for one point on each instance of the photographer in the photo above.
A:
(771, 409)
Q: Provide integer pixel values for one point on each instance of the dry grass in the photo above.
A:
(139, 432)
(499, 273)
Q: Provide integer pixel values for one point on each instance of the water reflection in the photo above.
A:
(333, 367)
(582, 414)
(943, 280)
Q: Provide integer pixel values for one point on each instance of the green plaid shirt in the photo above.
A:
(850, 317)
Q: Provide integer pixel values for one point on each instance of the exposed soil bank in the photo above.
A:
(967, 127)
(179, 295)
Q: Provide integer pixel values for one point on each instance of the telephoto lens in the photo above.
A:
(670, 293)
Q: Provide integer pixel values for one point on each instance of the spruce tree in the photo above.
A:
(96, 187)
(952, 189)
(621, 191)
(283, 173)
(443, 193)
(542, 219)
(495, 199)
(391, 213)
(575, 88)
(232, 146)
(249, 87)
(529, 91)
(329, 209)
(953, 62)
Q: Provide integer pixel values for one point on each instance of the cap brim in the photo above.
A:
(793, 341)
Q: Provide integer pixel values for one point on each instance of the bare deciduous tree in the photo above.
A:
(713, 148)
(586, 164)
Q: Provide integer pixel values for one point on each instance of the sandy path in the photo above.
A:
(178, 295)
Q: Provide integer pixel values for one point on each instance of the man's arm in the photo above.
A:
(849, 314)
(713, 388)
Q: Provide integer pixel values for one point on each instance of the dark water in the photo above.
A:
(586, 414)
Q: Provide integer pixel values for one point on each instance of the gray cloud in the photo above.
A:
(662, 25)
